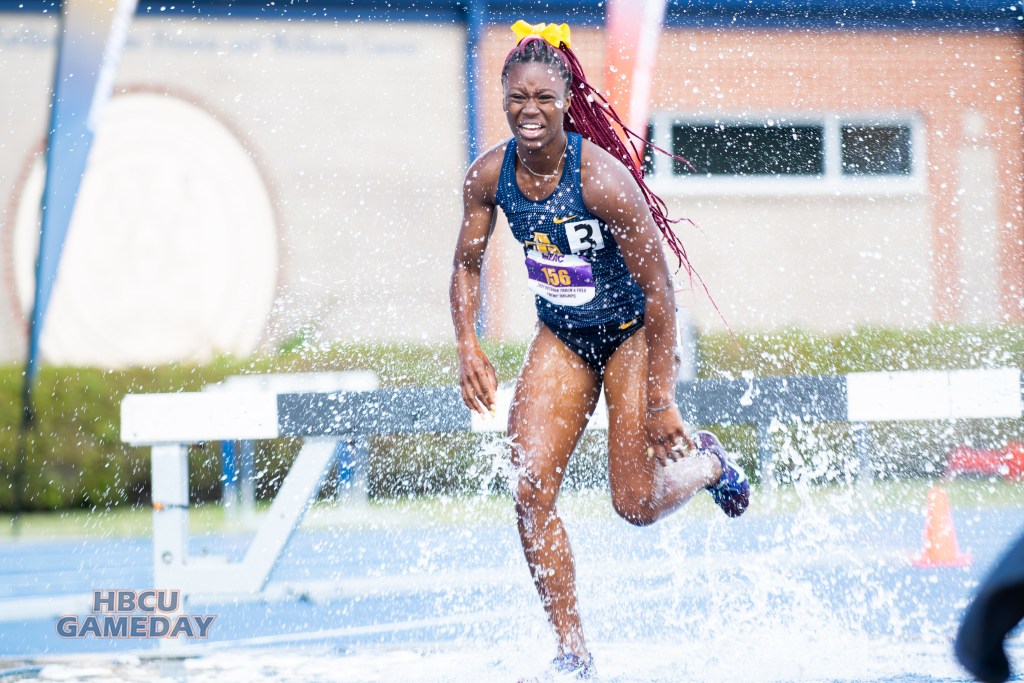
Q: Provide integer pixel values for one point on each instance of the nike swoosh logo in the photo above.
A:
(559, 221)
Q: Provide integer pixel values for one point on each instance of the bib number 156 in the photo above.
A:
(557, 276)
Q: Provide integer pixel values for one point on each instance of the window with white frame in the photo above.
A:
(830, 152)
(875, 149)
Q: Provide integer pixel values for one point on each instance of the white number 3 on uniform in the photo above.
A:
(583, 235)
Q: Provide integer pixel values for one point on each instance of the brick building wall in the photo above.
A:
(950, 251)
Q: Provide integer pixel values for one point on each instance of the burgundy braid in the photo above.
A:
(590, 114)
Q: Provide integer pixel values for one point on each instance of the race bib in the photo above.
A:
(584, 235)
(560, 278)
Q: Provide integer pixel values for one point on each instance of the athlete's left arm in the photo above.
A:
(611, 194)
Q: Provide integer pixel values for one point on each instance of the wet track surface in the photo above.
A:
(774, 589)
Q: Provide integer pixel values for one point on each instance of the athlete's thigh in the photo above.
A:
(630, 471)
(554, 397)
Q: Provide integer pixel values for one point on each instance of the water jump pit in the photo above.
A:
(813, 590)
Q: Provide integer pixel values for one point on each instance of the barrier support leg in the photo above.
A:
(297, 493)
(170, 514)
(174, 569)
(170, 522)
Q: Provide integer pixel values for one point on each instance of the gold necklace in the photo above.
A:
(546, 176)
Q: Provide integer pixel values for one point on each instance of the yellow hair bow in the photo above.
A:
(556, 35)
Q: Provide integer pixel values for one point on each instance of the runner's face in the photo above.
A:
(535, 104)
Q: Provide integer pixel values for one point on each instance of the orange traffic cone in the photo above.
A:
(940, 546)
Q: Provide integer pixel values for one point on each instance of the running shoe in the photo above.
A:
(732, 492)
(566, 667)
(572, 667)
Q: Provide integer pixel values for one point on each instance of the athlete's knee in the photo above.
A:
(532, 496)
(637, 510)
(534, 505)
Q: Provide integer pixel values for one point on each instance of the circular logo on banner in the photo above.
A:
(172, 251)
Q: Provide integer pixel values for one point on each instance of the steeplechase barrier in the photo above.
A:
(238, 457)
(169, 423)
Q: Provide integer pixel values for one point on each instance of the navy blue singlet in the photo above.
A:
(574, 265)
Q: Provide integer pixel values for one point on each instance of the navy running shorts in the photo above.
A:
(595, 345)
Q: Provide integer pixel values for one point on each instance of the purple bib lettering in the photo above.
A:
(560, 278)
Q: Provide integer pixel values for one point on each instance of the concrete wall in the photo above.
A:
(358, 132)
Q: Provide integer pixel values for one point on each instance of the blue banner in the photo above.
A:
(91, 40)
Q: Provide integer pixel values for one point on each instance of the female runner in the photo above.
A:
(591, 232)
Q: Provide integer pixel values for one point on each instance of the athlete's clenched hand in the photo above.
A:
(477, 379)
(666, 434)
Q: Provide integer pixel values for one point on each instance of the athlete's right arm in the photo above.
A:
(477, 379)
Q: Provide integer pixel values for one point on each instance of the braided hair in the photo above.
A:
(592, 116)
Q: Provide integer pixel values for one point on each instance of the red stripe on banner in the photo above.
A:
(632, 29)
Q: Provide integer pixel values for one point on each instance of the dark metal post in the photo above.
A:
(228, 474)
(247, 476)
(476, 11)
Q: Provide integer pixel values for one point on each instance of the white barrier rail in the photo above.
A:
(168, 423)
